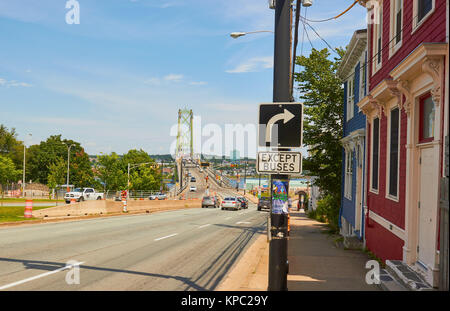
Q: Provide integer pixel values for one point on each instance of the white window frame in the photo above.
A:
(351, 97)
(348, 174)
(376, 191)
(363, 80)
(394, 46)
(388, 154)
(416, 24)
(377, 33)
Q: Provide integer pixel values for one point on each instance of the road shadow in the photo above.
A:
(51, 266)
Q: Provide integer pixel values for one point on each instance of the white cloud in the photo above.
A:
(13, 83)
(198, 83)
(174, 77)
(253, 64)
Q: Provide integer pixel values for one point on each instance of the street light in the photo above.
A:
(68, 164)
(24, 161)
(236, 35)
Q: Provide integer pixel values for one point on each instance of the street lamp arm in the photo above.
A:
(240, 34)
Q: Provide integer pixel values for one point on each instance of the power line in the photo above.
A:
(334, 50)
(335, 17)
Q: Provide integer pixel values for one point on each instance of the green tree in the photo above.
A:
(42, 156)
(143, 177)
(146, 178)
(8, 172)
(57, 173)
(10, 146)
(111, 172)
(322, 95)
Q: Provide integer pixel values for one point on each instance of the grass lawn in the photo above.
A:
(15, 213)
(23, 200)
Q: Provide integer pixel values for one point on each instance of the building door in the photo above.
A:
(427, 201)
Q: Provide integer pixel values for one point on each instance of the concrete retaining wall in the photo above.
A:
(107, 207)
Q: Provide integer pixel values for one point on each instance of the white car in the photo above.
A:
(83, 194)
(231, 203)
(193, 188)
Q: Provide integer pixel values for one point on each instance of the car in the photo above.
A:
(158, 196)
(231, 203)
(193, 188)
(244, 202)
(208, 201)
(83, 194)
(264, 203)
(193, 179)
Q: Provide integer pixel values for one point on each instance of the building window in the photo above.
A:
(423, 8)
(426, 127)
(375, 152)
(377, 39)
(394, 152)
(396, 25)
(363, 78)
(348, 174)
(350, 97)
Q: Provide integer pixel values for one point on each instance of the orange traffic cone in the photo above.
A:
(28, 209)
(73, 201)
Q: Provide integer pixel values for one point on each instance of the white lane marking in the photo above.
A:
(243, 222)
(165, 237)
(40, 276)
(204, 226)
(227, 218)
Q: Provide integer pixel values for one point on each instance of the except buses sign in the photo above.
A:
(281, 162)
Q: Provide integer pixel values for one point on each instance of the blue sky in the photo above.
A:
(116, 80)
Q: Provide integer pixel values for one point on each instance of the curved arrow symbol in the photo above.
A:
(286, 116)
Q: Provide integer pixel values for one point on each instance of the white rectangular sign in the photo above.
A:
(280, 162)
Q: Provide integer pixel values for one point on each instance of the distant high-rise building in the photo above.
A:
(234, 155)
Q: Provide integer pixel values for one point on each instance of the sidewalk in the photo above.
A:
(315, 263)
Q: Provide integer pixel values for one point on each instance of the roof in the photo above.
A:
(354, 51)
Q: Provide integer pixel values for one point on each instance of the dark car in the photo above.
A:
(193, 179)
(209, 201)
(264, 203)
(244, 202)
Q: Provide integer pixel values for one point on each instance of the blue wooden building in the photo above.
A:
(353, 73)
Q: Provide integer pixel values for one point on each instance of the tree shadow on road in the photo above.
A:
(51, 266)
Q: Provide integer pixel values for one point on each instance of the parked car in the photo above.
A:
(264, 203)
(231, 203)
(158, 196)
(83, 194)
(208, 201)
(193, 179)
(244, 202)
(193, 188)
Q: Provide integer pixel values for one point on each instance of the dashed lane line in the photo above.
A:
(166, 237)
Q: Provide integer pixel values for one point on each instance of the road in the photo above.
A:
(189, 249)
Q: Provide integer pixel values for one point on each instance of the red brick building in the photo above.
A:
(407, 111)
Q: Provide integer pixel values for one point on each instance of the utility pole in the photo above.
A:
(68, 165)
(278, 263)
(24, 164)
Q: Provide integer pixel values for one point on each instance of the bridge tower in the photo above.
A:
(185, 140)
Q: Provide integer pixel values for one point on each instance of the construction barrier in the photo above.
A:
(124, 206)
(28, 209)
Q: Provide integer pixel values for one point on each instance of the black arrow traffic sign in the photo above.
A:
(280, 125)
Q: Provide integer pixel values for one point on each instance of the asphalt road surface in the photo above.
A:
(189, 249)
